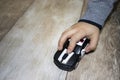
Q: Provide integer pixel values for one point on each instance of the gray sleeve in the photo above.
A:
(97, 11)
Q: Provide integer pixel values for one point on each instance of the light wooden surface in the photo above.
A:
(26, 52)
(10, 12)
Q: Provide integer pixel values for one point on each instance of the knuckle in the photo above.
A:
(74, 38)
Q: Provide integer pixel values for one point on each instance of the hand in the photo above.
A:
(77, 32)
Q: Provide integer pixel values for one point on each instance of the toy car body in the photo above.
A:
(68, 61)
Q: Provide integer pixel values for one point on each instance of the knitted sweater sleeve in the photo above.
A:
(97, 12)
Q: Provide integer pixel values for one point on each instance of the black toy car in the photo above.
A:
(69, 61)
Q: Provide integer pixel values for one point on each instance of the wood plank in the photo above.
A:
(104, 63)
(10, 11)
(26, 52)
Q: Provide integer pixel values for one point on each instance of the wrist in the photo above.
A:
(92, 23)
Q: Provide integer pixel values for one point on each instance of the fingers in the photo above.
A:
(74, 39)
(93, 43)
(65, 35)
(77, 32)
(73, 35)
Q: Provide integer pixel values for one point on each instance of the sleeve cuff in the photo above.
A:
(92, 23)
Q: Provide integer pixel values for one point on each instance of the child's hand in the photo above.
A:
(77, 32)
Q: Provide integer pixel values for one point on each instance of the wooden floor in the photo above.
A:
(26, 51)
(10, 12)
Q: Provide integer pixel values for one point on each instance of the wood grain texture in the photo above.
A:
(10, 12)
(26, 52)
(104, 63)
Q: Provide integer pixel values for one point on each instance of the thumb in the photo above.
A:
(93, 43)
